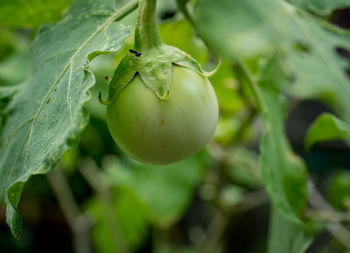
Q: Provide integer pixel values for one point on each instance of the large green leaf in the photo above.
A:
(46, 117)
(30, 14)
(327, 127)
(321, 7)
(250, 28)
(165, 191)
(284, 174)
(286, 236)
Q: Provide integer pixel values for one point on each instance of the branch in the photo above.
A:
(182, 5)
(335, 228)
(94, 177)
(77, 222)
(245, 77)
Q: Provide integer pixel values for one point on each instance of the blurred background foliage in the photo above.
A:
(212, 202)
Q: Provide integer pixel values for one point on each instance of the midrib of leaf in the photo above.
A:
(117, 14)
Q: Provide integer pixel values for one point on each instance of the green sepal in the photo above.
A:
(123, 75)
(154, 67)
(183, 59)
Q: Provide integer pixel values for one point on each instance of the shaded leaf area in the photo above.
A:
(287, 236)
(321, 7)
(250, 28)
(164, 191)
(339, 190)
(327, 127)
(30, 14)
(15, 68)
(46, 116)
(243, 168)
(132, 223)
(284, 174)
(7, 43)
(170, 249)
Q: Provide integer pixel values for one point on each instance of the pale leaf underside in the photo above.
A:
(47, 116)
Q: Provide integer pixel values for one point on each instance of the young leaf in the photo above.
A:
(327, 127)
(46, 117)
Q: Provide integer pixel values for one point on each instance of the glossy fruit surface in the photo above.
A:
(154, 131)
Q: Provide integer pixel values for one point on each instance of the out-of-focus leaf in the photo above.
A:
(244, 167)
(283, 172)
(7, 45)
(231, 195)
(165, 191)
(46, 117)
(16, 68)
(180, 34)
(236, 29)
(226, 89)
(321, 7)
(69, 161)
(128, 212)
(30, 14)
(165, 7)
(250, 28)
(339, 190)
(327, 127)
(287, 236)
(226, 129)
(6, 94)
(170, 249)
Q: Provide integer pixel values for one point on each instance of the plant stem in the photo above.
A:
(182, 5)
(94, 177)
(76, 220)
(214, 232)
(335, 228)
(146, 31)
(244, 76)
(243, 127)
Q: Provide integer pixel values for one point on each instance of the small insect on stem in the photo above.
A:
(138, 54)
